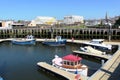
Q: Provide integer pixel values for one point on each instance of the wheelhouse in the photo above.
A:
(71, 61)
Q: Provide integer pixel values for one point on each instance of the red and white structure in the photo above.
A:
(70, 63)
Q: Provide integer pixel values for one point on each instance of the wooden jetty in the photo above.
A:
(110, 70)
(9, 39)
(65, 74)
(93, 54)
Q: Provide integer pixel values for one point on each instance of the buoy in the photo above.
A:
(102, 62)
(77, 77)
(72, 39)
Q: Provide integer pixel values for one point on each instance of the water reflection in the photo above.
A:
(14, 59)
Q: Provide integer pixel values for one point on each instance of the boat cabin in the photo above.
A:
(71, 61)
(30, 37)
(58, 38)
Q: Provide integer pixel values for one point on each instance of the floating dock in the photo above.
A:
(65, 74)
(110, 70)
(93, 54)
(9, 39)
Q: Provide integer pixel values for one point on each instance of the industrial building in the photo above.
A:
(43, 20)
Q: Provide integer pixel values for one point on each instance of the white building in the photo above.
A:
(93, 22)
(43, 20)
(32, 23)
(6, 24)
(73, 19)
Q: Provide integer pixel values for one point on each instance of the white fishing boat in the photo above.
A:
(71, 63)
(98, 44)
(89, 49)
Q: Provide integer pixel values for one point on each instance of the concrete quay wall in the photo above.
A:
(79, 34)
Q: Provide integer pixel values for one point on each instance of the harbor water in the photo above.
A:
(20, 62)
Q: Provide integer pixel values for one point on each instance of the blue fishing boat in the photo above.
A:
(1, 78)
(57, 42)
(24, 41)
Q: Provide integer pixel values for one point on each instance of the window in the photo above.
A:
(72, 63)
(68, 63)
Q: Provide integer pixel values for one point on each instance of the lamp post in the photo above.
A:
(51, 30)
(109, 33)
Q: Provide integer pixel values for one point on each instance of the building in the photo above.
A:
(4, 24)
(102, 22)
(73, 19)
(32, 23)
(42, 20)
(21, 23)
(93, 22)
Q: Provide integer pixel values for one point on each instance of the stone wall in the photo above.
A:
(82, 34)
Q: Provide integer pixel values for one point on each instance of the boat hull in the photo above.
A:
(25, 42)
(54, 43)
(1, 78)
(83, 70)
(100, 47)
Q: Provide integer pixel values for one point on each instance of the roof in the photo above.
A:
(99, 40)
(71, 57)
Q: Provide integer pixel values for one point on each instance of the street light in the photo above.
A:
(109, 33)
(51, 31)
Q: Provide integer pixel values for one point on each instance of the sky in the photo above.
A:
(30, 9)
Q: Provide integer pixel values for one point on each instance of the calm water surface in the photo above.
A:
(20, 62)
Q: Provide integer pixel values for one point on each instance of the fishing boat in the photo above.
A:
(71, 63)
(58, 41)
(24, 41)
(1, 78)
(98, 44)
(89, 49)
